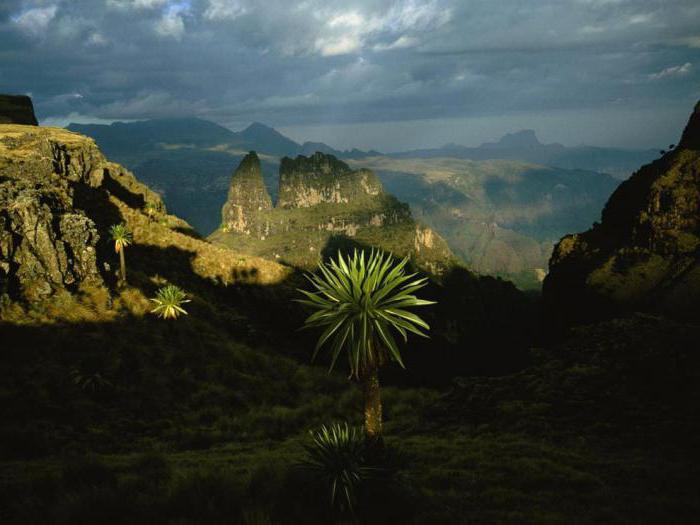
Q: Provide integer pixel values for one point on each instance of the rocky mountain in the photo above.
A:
(322, 205)
(58, 197)
(17, 109)
(500, 217)
(525, 146)
(644, 254)
(188, 160)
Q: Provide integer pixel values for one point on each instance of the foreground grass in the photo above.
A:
(451, 478)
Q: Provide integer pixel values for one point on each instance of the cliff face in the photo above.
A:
(644, 254)
(58, 198)
(17, 109)
(46, 243)
(247, 196)
(323, 206)
(321, 178)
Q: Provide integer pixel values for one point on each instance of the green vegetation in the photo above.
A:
(122, 238)
(112, 416)
(337, 456)
(359, 301)
(169, 301)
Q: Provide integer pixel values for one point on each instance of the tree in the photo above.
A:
(122, 238)
(360, 302)
(151, 209)
(169, 301)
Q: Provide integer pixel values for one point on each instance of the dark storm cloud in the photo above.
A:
(312, 62)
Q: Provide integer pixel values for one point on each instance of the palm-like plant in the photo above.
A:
(336, 455)
(122, 238)
(151, 209)
(361, 301)
(169, 301)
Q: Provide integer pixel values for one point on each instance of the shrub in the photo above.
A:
(336, 456)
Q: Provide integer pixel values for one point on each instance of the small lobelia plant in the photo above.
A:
(169, 300)
(336, 456)
(151, 209)
(122, 237)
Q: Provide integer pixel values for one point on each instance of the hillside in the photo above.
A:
(113, 415)
(643, 255)
(500, 217)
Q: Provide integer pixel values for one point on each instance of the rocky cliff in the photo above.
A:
(58, 197)
(644, 254)
(321, 178)
(323, 205)
(17, 109)
(247, 196)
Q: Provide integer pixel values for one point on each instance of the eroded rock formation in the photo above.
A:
(47, 240)
(247, 196)
(323, 206)
(321, 178)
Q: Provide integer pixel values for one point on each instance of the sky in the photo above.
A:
(388, 75)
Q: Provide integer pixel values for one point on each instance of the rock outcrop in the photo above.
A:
(645, 253)
(47, 241)
(247, 196)
(321, 178)
(323, 206)
(17, 109)
(59, 196)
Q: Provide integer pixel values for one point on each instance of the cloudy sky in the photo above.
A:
(388, 74)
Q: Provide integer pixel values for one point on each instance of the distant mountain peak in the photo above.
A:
(259, 127)
(525, 138)
(262, 137)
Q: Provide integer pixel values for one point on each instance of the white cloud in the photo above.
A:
(342, 45)
(347, 32)
(674, 71)
(136, 4)
(642, 18)
(36, 20)
(170, 25)
(97, 39)
(224, 10)
(402, 42)
(412, 15)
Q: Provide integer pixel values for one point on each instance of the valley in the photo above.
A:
(500, 217)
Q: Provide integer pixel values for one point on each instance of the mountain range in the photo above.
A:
(525, 146)
(501, 217)
(323, 206)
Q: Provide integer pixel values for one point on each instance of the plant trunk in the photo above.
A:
(122, 264)
(373, 403)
